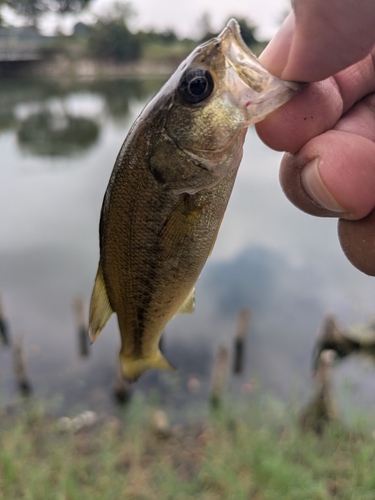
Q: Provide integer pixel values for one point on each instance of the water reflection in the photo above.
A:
(286, 267)
(52, 134)
(50, 123)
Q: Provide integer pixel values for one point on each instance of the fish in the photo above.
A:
(169, 189)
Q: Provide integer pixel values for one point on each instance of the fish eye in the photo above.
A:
(196, 85)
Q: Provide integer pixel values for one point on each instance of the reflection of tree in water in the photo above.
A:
(119, 93)
(47, 133)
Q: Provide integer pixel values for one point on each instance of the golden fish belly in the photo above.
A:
(153, 247)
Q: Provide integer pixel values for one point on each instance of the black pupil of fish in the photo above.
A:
(195, 86)
(198, 86)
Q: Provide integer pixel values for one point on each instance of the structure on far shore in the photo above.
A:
(20, 47)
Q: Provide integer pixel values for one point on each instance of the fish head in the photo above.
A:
(218, 90)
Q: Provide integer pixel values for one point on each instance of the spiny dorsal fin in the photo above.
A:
(189, 305)
(100, 308)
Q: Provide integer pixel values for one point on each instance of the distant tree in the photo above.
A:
(167, 36)
(205, 28)
(32, 10)
(81, 29)
(112, 40)
(247, 29)
(247, 32)
(110, 37)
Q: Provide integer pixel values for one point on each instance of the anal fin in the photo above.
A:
(189, 305)
(100, 308)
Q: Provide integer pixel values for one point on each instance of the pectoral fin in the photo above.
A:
(100, 308)
(179, 229)
(189, 305)
(134, 368)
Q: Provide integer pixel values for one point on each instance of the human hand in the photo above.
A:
(329, 127)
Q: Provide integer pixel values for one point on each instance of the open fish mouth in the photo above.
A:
(252, 86)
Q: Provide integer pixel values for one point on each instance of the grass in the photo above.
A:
(252, 456)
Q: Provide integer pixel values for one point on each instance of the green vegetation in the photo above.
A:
(111, 39)
(32, 10)
(244, 457)
(107, 40)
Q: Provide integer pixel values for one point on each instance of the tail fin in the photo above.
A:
(133, 368)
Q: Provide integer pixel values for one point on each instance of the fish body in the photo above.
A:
(169, 189)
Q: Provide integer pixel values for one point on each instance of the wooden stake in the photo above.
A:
(20, 371)
(335, 337)
(321, 409)
(239, 341)
(83, 339)
(4, 330)
(121, 387)
(162, 343)
(218, 376)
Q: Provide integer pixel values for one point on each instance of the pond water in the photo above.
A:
(58, 144)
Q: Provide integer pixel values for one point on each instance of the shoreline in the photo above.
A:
(62, 67)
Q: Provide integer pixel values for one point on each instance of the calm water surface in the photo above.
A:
(58, 144)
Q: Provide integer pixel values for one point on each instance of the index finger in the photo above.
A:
(320, 38)
(317, 107)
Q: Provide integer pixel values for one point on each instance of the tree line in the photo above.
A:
(110, 37)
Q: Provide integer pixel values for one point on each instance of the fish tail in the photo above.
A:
(133, 368)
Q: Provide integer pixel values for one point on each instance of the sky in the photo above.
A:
(182, 16)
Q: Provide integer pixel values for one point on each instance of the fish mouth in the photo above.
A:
(253, 87)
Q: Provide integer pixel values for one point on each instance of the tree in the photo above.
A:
(247, 32)
(112, 40)
(32, 10)
(247, 29)
(205, 28)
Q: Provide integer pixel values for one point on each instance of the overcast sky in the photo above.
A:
(184, 16)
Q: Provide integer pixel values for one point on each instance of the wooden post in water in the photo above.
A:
(4, 330)
(321, 409)
(81, 325)
(239, 340)
(121, 387)
(218, 376)
(162, 343)
(20, 371)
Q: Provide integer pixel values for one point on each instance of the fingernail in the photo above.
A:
(314, 187)
(275, 55)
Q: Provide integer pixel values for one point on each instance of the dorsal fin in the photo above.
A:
(100, 308)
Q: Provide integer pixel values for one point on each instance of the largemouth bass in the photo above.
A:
(169, 189)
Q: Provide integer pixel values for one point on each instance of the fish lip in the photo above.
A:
(246, 64)
(252, 86)
(232, 31)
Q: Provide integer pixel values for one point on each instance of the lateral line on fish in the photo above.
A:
(138, 337)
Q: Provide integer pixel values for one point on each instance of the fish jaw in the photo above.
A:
(256, 91)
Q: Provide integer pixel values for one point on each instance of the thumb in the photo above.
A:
(320, 38)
